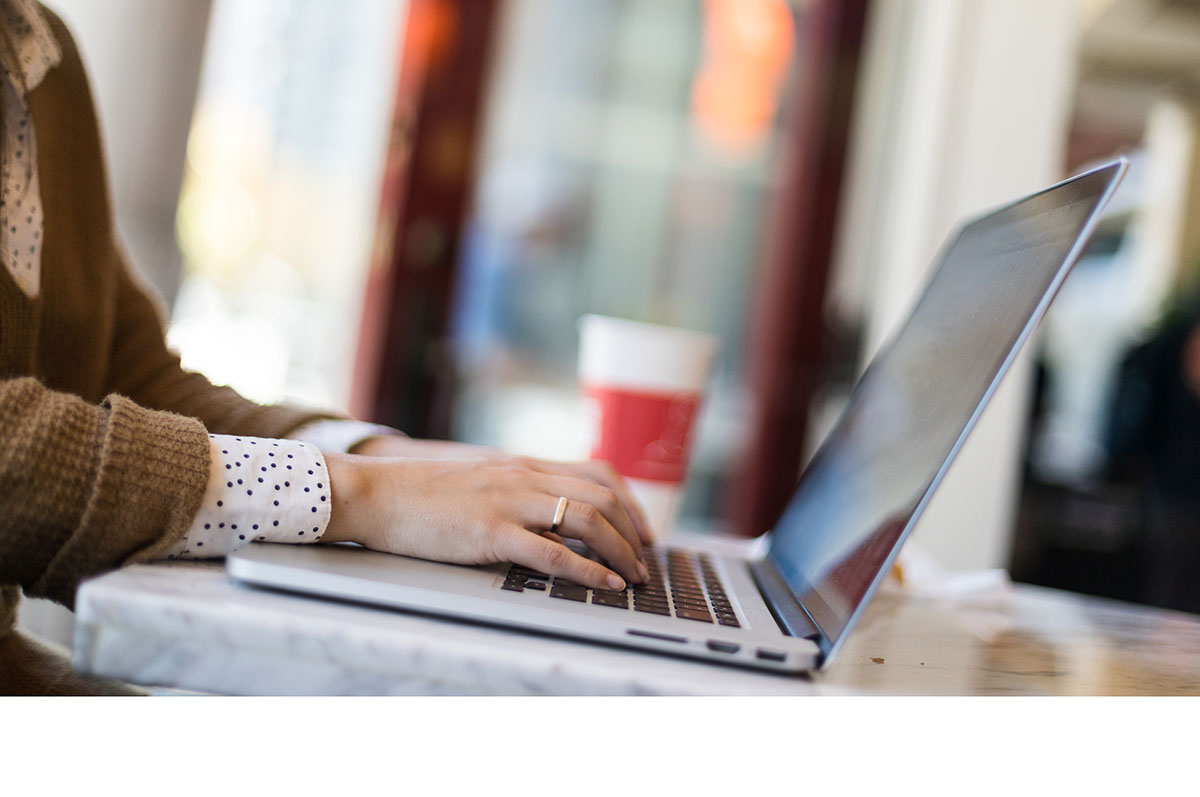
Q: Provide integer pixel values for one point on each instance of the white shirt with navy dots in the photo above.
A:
(32, 54)
(265, 490)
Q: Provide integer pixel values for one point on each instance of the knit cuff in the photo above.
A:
(152, 474)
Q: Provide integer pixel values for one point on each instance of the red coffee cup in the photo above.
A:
(643, 385)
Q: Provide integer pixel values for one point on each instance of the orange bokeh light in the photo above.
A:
(735, 94)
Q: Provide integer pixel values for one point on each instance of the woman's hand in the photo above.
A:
(477, 511)
(601, 473)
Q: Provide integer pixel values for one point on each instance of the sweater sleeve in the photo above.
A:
(87, 488)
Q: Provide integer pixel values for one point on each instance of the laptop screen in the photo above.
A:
(862, 491)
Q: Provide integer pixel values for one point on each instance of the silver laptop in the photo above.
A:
(859, 498)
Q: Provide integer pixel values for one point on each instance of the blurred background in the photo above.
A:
(410, 204)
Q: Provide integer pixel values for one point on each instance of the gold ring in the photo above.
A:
(559, 512)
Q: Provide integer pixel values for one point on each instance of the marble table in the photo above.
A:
(186, 625)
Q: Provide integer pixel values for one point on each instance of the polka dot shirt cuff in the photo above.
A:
(258, 490)
(340, 436)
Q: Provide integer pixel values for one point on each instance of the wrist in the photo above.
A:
(347, 495)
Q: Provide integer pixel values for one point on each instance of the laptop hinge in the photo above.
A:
(794, 620)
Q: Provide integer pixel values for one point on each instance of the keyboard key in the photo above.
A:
(513, 586)
(690, 614)
(571, 593)
(538, 585)
(730, 621)
(608, 599)
(652, 609)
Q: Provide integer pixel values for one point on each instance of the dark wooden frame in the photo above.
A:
(787, 334)
(403, 374)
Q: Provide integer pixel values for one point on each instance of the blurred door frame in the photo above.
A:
(788, 331)
(403, 374)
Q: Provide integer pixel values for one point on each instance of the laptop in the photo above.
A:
(792, 608)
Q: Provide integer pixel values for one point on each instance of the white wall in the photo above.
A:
(964, 106)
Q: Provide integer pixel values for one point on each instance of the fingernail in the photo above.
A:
(615, 582)
(642, 571)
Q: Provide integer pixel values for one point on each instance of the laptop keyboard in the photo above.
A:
(682, 584)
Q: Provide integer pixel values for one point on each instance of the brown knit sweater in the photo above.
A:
(103, 437)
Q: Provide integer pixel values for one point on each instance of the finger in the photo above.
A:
(604, 473)
(534, 550)
(601, 498)
(550, 535)
(584, 521)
